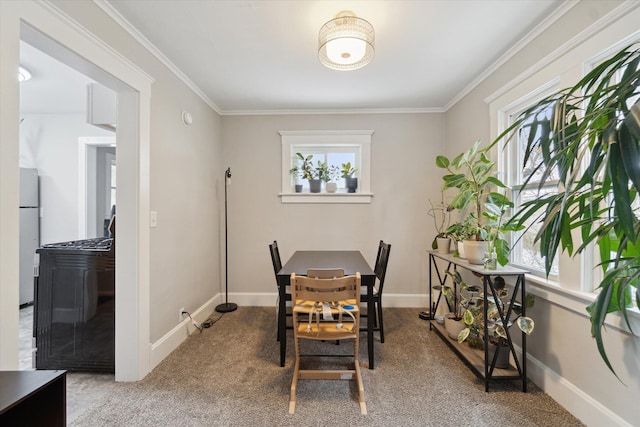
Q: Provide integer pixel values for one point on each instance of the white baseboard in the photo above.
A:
(172, 339)
(573, 399)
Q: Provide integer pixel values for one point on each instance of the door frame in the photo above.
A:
(86, 205)
(44, 26)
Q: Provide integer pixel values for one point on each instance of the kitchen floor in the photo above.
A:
(83, 388)
(26, 333)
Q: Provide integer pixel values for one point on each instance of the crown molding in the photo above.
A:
(129, 28)
(333, 111)
(528, 38)
(52, 8)
(579, 38)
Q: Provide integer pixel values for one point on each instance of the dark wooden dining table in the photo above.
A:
(351, 261)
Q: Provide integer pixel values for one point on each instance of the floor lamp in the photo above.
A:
(227, 306)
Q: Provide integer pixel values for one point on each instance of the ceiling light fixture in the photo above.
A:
(346, 42)
(23, 74)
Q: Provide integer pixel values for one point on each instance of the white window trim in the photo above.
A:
(361, 138)
(508, 151)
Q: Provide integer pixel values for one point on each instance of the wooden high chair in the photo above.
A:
(313, 299)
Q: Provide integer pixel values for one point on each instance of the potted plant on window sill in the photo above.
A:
(296, 173)
(347, 172)
(329, 176)
(303, 168)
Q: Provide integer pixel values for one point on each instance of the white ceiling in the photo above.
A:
(54, 87)
(261, 56)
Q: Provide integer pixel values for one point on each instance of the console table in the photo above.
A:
(32, 398)
(478, 360)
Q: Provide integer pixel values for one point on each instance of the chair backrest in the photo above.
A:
(325, 273)
(345, 288)
(381, 264)
(275, 258)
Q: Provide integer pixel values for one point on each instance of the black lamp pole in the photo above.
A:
(226, 306)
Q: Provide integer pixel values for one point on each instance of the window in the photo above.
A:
(331, 155)
(598, 274)
(526, 253)
(112, 186)
(333, 148)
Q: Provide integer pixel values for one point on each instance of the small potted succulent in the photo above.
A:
(347, 172)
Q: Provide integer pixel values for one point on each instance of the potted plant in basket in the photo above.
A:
(350, 181)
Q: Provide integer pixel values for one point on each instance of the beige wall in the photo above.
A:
(185, 164)
(403, 178)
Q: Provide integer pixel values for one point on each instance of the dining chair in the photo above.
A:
(325, 273)
(313, 300)
(380, 270)
(277, 266)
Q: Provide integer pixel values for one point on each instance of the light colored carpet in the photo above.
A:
(230, 376)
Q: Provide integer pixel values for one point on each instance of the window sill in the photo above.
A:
(326, 197)
(577, 302)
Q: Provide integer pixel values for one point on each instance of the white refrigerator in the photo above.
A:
(29, 231)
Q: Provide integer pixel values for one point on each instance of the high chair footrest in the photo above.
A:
(327, 374)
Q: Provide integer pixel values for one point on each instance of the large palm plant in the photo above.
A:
(592, 142)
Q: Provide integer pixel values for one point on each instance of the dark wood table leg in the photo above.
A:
(282, 317)
(371, 312)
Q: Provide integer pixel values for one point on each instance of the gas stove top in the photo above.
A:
(100, 243)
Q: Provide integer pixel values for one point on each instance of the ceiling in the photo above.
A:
(53, 88)
(246, 57)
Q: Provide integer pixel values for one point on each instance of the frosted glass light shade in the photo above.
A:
(346, 42)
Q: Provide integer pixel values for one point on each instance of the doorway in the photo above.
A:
(97, 181)
(84, 53)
